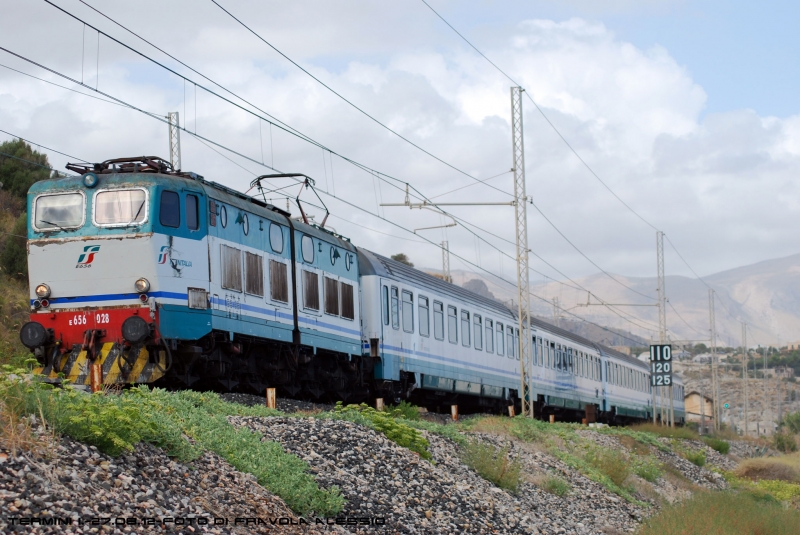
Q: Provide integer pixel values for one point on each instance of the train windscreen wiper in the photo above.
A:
(139, 211)
(50, 223)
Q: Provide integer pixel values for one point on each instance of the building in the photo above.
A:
(794, 346)
(699, 408)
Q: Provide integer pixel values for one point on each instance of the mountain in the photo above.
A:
(765, 295)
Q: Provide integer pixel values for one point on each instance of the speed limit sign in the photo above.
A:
(661, 365)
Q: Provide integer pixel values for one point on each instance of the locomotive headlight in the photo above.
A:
(142, 285)
(42, 291)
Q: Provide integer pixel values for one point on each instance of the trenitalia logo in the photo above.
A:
(162, 255)
(87, 257)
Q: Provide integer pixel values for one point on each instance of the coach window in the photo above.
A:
(192, 219)
(516, 342)
(510, 349)
(465, 339)
(438, 320)
(500, 338)
(477, 329)
(570, 361)
(395, 308)
(276, 238)
(331, 296)
(231, 259)
(452, 325)
(278, 281)
(489, 336)
(385, 303)
(310, 290)
(170, 211)
(307, 247)
(408, 311)
(424, 317)
(348, 302)
(541, 354)
(115, 208)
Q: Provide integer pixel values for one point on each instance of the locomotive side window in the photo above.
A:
(61, 211)
(489, 336)
(477, 323)
(307, 247)
(231, 259)
(192, 219)
(395, 308)
(278, 282)
(331, 296)
(510, 350)
(465, 341)
(438, 320)
(310, 290)
(408, 311)
(120, 207)
(170, 211)
(500, 338)
(348, 306)
(276, 238)
(253, 274)
(424, 317)
(385, 303)
(452, 325)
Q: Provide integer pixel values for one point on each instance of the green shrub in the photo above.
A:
(696, 457)
(555, 485)
(447, 431)
(718, 444)
(784, 442)
(404, 410)
(385, 423)
(791, 422)
(14, 257)
(724, 513)
(493, 465)
(612, 463)
(647, 468)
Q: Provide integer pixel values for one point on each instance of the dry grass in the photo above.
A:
(784, 468)
(666, 431)
(634, 445)
(20, 434)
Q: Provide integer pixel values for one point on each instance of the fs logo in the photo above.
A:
(163, 254)
(87, 257)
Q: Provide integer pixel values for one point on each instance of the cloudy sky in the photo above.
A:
(686, 110)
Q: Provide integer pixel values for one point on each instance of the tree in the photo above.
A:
(402, 258)
(14, 258)
(16, 175)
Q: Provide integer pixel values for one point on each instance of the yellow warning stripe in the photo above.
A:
(75, 366)
(138, 367)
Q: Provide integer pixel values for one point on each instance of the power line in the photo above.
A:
(42, 146)
(6, 155)
(57, 85)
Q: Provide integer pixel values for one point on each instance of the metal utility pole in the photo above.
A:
(714, 378)
(662, 314)
(766, 395)
(744, 378)
(521, 219)
(174, 140)
(446, 261)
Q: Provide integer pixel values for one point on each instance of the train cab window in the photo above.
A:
(408, 311)
(59, 211)
(170, 210)
(477, 324)
(307, 247)
(452, 325)
(348, 302)
(385, 304)
(310, 290)
(192, 213)
(438, 320)
(119, 207)
(510, 348)
(278, 281)
(276, 238)
(489, 336)
(253, 274)
(500, 338)
(231, 260)
(331, 296)
(395, 308)
(465, 339)
(424, 317)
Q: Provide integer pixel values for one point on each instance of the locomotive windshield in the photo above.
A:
(59, 211)
(120, 207)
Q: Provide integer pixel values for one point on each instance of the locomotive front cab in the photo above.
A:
(104, 252)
